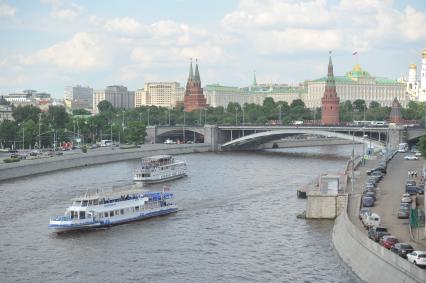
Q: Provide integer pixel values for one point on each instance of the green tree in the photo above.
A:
(24, 113)
(297, 103)
(421, 146)
(8, 133)
(374, 104)
(81, 112)
(359, 105)
(105, 106)
(58, 116)
(136, 132)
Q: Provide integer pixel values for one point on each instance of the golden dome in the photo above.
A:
(357, 68)
(424, 52)
(413, 66)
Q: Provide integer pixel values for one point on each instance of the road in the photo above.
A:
(389, 194)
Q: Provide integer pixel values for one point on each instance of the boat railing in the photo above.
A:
(61, 218)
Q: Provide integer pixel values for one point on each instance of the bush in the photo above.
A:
(84, 149)
(11, 160)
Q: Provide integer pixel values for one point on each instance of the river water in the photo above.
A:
(237, 223)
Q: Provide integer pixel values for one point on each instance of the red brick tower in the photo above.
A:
(395, 114)
(330, 100)
(194, 98)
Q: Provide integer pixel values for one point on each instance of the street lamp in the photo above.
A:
(39, 124)
(148, 115)
(169, 115)
(236, 115)
(23, 135)
(279, 116)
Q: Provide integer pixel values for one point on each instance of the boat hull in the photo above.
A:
(62, 228)
(159, 180)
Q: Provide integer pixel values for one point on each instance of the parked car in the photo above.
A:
(403, 212)
(411, 157)
(418, 154)
(417, 257)
(364, 210)
(380, 168)
(377, 174)
(370, 194)
(388, 241)
(414, 190)
(402, 249)
(372, 220)
(410, 183)
(367, 201)
(406, 198)
(375, 233)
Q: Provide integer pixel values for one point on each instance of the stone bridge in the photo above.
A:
(252, 136)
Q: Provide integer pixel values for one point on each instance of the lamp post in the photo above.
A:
(169, 116)
(39, 124)
(78, 133)
(279, 116)
(199, 122)
(148, 115)
(353, 161)
(236, 115)
(23, 136)
(184, 123)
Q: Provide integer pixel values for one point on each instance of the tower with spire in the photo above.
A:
(194, 98)
(330, 100)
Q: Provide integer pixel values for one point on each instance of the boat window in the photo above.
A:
(122, 211)
(90, 202)
(117, 212)
(82, 214)
(137, 208)
(105, 214)
(77, 203)
(111, 213)
(74, 214)
(84, 203)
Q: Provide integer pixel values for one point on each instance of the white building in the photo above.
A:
(6, 113)
(358, 84)
(422, 91)
(218, 95)
(117, 95)
(78, 97)
(161, 94)
(412, 83)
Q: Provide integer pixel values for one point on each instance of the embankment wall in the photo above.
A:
(370, 261)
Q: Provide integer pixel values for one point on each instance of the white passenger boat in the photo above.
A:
(112, 208)
(159, 168)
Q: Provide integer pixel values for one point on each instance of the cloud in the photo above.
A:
(6, 10)
(282, 26)
(83, 52)
(65, 10)
(126, 25)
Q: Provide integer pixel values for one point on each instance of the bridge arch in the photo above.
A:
(253, 141)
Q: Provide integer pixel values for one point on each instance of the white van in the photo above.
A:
(372, 220)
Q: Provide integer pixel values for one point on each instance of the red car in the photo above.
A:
(388, 241)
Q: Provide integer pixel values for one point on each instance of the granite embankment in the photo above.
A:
(93, 157)
(370, 261)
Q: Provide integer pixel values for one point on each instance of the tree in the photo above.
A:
(58, 116)
(421, 146)
(269, 103)
(374, 104)
(136, 132)
(297, 103)
(81, 112)
(8, 133)
(105, 106)
(24, 113)
(359, 105)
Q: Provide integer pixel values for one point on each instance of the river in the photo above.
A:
(237, 223)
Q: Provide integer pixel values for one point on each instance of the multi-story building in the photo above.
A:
(358, 84)
(78, 97)
(117, 95)
(218, 95)
(422, 91)
(162, 94)
(6, 113)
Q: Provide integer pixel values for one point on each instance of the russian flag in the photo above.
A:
(355, 53)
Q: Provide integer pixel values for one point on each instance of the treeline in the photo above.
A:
(32, 126)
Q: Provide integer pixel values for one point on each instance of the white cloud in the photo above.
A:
(125, 25)
(65, 10)
(83, 52)
(6, 10)
(287, 26)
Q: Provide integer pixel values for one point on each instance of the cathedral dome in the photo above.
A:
(413, 66)
(424, 52)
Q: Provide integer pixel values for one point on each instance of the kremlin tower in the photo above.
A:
(194, 98)
(330, 100)
(395, 114)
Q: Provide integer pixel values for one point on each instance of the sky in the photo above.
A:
(49, 44)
